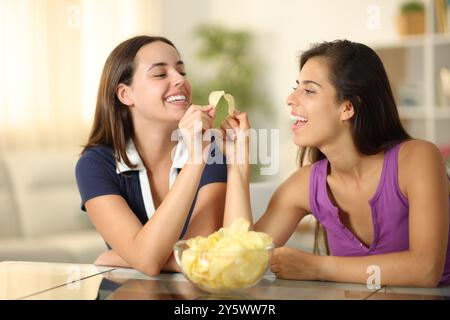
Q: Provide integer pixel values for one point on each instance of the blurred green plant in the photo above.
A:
(229, 64)
(412, 6)
(226, 56)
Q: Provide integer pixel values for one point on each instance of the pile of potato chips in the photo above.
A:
(228, 259)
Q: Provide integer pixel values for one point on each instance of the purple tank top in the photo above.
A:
(390, 212)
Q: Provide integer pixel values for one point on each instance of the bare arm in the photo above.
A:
(427, 193)
(287, 207)
(206, 218)
(423, 263)
(237, 202)
(146, 248)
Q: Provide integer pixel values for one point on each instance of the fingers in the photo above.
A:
(206, 108)
(238, 121)
(242, 118)
(232, 123)
(274, 266)
(228, 127)
(198, 114)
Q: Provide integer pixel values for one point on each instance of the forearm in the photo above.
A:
(155, 240)
(237, 202)
(111, 258)
(397, 269)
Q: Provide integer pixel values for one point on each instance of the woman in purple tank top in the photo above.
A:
(381, 197)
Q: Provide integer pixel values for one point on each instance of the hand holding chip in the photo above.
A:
(235, 130)
(194, 123)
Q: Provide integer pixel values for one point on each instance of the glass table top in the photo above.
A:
(19, 280)
(56, 281)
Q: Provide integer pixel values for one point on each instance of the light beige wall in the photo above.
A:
(51, 56)
(282, 29)
(72, 58)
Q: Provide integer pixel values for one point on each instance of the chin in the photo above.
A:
(176, 114)
(301, 142)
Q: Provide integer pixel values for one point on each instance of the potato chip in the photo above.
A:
(215, 96)
(231, 103)
(230, 258)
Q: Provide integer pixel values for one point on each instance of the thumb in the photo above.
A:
(212, 112)
(243, 120)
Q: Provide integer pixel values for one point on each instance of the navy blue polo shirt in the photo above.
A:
(98, 174)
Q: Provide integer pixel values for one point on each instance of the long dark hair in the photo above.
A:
(112, 125)
(358, 75)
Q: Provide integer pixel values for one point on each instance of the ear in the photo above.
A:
(347, 110)
(124, 94)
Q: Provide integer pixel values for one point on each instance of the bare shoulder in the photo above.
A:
(423, 159)
(295, 189)
(414, 154)
(301, 175)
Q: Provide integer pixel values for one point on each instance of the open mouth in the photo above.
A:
(299, 121)
(177, 99)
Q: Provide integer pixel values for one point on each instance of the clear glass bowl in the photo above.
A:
(222, 271)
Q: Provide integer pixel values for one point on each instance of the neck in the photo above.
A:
(153, 141)
(347, 163)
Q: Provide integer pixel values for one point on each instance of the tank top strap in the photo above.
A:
(317, 188)
(390, 175)
(391, 161)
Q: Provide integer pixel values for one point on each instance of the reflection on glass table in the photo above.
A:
(31, 280)
(19, 280)
(127, 284)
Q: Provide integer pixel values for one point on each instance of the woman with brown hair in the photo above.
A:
(382, 197)
(139, 178)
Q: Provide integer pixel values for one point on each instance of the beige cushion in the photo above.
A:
(74, 247)
(9, 224)
(260, 195)
(45, 191)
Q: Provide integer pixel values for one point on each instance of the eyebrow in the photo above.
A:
(164, 64)
(309, 82)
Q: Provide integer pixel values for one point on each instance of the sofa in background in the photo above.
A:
(40, 215)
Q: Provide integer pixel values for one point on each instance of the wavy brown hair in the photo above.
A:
(112, 125)
(358, 75)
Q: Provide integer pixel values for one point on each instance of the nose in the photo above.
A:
(291, 100)
(178, 79)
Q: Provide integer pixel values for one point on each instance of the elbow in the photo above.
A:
(427, 283)
(430, 275)
(431, 281)
(152, 272)
(150, 268)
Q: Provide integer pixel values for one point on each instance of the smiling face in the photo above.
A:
(314, 108)
(159, 89)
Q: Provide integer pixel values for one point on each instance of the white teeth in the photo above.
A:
(176, 98)
(298, 118)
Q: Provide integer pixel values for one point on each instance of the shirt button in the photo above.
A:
(361, 245)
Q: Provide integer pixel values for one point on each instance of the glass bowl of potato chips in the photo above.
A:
(231, 259)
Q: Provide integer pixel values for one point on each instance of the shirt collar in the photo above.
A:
(180, 157)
